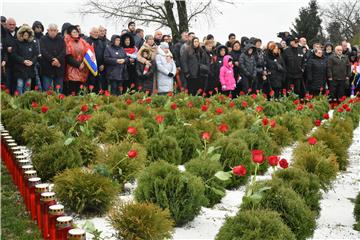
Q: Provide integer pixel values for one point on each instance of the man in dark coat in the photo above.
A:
(97, 81)
(248, 67)
(338, 73)
(102, 35)
(10, 40)
(316, 72)
(25, 56)
(38, 29)
(294, 63)
(4, 54)
(52, 61)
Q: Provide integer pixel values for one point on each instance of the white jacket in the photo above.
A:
(164, 82)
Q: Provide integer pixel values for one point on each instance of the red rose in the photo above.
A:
(210, 92)
(200, 90)
(273, 160)
(326, 116)
(204, 108)
(85, 108)
(132, 116)
(58, 87)
(348, 109)
(257, 156)
(300, 107)
(244, 104)
(34, 105)
(107, 93)
(16, 93)
(132, 85)
(340, 110)
(190, 104)
(310, 106)
(259, 109)
(206, 136)
(265, 121)
(132, 131)
(173, 106)
(170, 94)
(61, 96)
(223, 128)
(36, 88)
(132, 153)
(242, 93)
(231, 104)
(253, 96)
(317, 122)
(219, 111)
(140, 101)
(159, 119)
(239, 170)
(272, 123)
(83, 118)
(312, 140)
(96, 107)
(128, 101)
(148, 100)
(296, 102)
(81, 86)
(91, 87)
(44, 109)
(139, 88)
(284, 163)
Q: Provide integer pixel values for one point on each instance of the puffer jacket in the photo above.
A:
(316, 73)
(115, 71)
(227, 79)
(164, 67)
(248, 63)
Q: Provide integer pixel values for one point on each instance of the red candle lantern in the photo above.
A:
(55, 211)
(28, 174)
(12, 161)
(32, 182)
(257, 156)
(63, 225)
(20, 161)
(39, 188)
(24, 169)
(47, 199)
(76, 234)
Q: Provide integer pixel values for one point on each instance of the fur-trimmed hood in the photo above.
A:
(23, 29)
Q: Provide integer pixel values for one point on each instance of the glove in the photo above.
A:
(171, 74)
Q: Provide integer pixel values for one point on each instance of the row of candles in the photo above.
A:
(40, 202)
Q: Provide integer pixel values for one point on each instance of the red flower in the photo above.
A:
(204, 108)
(83, 118)
(128, 101)
(139, 88)
(132, 131)
(200, 90)
(259, 109)
(265, 121)
(140, 101)
(310, 106)
(308, 96)
(49, 92)
(173, 106)
(61, 96)
(326, 116)
(132, 153)
(244, 104)
(44, 109)
(284, 163)
(317, 122)
(223, 128)
(81, 86)
(16, 93)
(258, 156)
(345, 106)
(296, 102)
(148, 100)
(210, 92)
(340, 110)
(219, 111)
(107, 93)
(300, 107)
(272, 123)
(132, 85)
(34, 105)
(239, 170)
(242, 93)
(36, 88)
(312, 140)
(253, 96)
(231, 104)
(132, 116)
(58, 87)
(284, 91)
(190, 104)
(170, 94)
(348, 109)
(91, 87)
(85, 108)
(206, 136)
(96, 107)
(159, 119)
(273, 160)
(292, 85)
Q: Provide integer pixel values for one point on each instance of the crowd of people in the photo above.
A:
(155, 63)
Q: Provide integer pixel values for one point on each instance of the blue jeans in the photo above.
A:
(52, 82)
(23, 85)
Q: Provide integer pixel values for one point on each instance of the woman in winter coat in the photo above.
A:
(235, 54)
(248, 71)
(115, 59)
(227, 80)
(150, 46)
(192, 59)
(25, 56)
(76, 70)
(145, 71)
(316, 73)
(128, 44)
(275, 71)
(166, 69)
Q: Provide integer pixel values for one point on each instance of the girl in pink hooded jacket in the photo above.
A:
(227, 79)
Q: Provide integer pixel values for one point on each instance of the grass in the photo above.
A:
(16, 223)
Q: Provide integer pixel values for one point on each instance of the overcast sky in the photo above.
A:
(258, 18)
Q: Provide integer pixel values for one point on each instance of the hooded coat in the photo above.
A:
(164, 67)
(217, 62)
(115, 71)
(316, 73)
(145, 47)
(275, 66)
(227, 79)
(146, 78)
(24, 50)
(248, 63)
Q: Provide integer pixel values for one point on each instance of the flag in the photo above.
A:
(90, 60)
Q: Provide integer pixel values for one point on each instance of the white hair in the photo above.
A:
(52, 26)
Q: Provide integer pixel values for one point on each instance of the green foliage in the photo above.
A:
(274, 108)
(357, 212)
(291, 207)
(164, 147)
(235, 119)
(87, 147)
(29, 97)
(84, 192)
(98, 121)
(136, 221)
(163, 184)
(280, 135)
(307, 185)
(206, 169)
(317, 159)
(255, 224)
(343, 128)
(54, 158)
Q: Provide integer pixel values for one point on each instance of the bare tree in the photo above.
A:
(175, 14)
(346, 15)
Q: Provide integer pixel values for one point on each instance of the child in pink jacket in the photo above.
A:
(227, 79)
